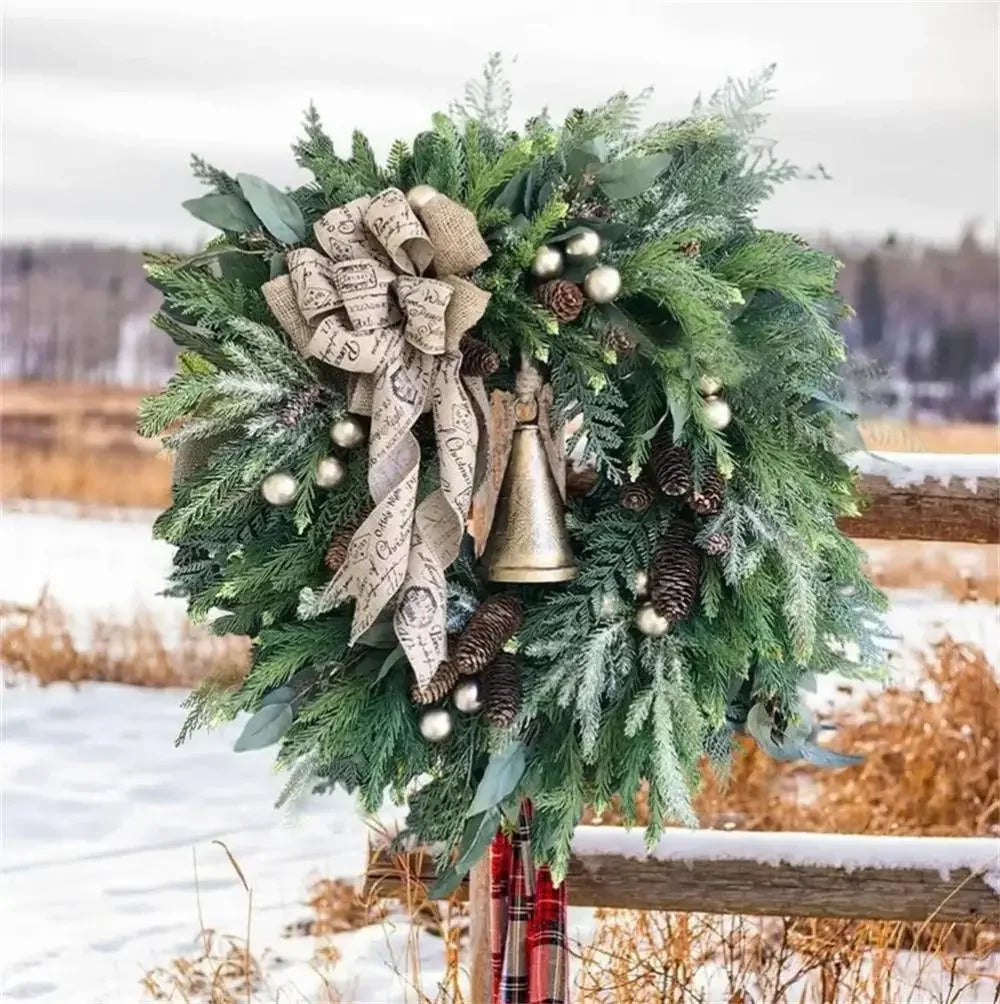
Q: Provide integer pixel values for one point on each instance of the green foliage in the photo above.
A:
(704, 292)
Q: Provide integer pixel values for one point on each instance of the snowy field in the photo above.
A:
(106, 826)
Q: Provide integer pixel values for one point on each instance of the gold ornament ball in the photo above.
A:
(280, 488)
(717, 413)
(709, 386)
(435, 725)
(585, 244)
(602, 284)
(420, 195)
(650, 623)
(467, 697)
(330, 472)
(642, 584)
(548, 263)
(347, 432)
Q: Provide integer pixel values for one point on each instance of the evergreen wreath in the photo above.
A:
(729, 526)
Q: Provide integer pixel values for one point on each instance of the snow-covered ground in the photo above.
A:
(106, 826)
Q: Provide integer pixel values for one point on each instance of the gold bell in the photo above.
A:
(528, 541)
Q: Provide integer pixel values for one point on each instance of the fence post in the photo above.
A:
(480, 959)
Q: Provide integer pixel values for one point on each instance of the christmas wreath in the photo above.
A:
(381, 375)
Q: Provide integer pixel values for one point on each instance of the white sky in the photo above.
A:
(103, 102)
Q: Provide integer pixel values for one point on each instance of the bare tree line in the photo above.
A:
(927, 319)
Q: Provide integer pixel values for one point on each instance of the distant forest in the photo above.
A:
(924, 339)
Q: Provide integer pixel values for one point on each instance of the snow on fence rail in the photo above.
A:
(954, 879)
(928, 496)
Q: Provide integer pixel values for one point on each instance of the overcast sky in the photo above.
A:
(103, 102)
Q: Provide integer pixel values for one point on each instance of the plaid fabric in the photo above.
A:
(527, 923)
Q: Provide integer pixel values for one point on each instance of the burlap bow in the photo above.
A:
(365, 307)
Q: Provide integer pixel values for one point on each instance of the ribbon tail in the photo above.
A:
(439, 525)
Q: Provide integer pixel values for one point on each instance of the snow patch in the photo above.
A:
(909, 470)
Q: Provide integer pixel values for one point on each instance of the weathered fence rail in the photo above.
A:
(929, 496)
(954, 879)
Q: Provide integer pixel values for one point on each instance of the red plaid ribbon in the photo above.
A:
(527, 923)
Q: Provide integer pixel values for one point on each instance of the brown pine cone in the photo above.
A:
(438, 687)
(637, 495)
(336, 553)
(478, 359)
(674, 573)
(492, 624)
(709, 498)
(562, 297)
(299, 405)
(671, 466)
(718, 545)
(692, 248)
(617, 340)
(502, 690)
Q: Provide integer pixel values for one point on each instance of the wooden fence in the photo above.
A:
(956, 879)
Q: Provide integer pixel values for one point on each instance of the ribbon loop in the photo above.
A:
(365, 307)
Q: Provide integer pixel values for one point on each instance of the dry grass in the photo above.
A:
(39, 641)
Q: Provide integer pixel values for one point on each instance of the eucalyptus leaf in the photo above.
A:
(500, 779)
(227, 212)
(380, 635)
(389, 661)
(266, 727)
(820, 757)
(680, 412)
(511, 196)
(280, 695)
(446, 883)
(476, 837)
(631, 176)
(580, 157)
(276, 211)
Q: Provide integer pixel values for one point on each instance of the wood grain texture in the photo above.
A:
(927, 511)
(751, 887)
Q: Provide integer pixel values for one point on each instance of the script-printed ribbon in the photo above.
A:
(366, 307)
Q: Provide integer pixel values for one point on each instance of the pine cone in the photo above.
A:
(674, 573)
(502, 690)
(336, 553)
(590, 209)
(708, 500)
(492, 624)
(718, 545)
(617, 340)
(438, 687)
(637, 495)
(563, 298)
(671, 466)
(692, 248)
(299, 405)
(478, 359)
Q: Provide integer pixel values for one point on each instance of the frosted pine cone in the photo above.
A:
(718, 545)
(675, 572)
(502, 690)
(492, 624)
(563, 298)
(299, 405)
(709, 498)
(637, 495)
(478, 359)
(438, 687)
(671, 466)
